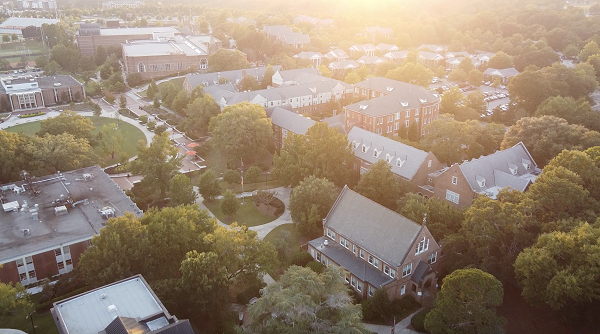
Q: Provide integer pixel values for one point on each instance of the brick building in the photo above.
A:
(285, 122)
(379, 248)
(411, 165)
(459, 184)
(390, 106)
(48, 222)
(25, 92)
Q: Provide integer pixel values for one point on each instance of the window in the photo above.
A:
(354, 145)
(400, 162)
(416, 112)
(370, 291)
(407, 270)
(31, 274)
(141, 67)
(57, 252)
(358, 286)
(390, 118)
(378, 131)
(364, 149)
(374, 261)
(352, 281)
(66, 250)
(20, 263)
(416, 121)
(61, 266)
(454, 180)
(29, 260)
(392, 273)
(354, 249)
(422, 246)
(407, 123)
(452, 196)
(375, 153)
(347, 111)
(344, 242)
(389, 128)
(408, 113)
(429, 164)
(432, 258)
(331, 234)
(347, 278)
(373, 94)
(403, 290)
(386, 270)
(397, 116)
(388, 158)
(396, 126)
(379, 120)
(361, 254)
(23, 276)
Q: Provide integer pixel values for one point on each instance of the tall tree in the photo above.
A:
(208, 185)
(467, 304)
(311, 302)
(181, 191)
(226, 60)
(380, 185)
(242, 130)
(322, 152)
(413, 73)
(310, 202)
(199, 112)
(229, 204)
(52, 153)
(500, 61)
(14, 301)
(441, 218)
(561, 270)
(158, 163)
(13, 154)
(452, 141)
(113, 139)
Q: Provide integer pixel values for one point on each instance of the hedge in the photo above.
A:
(31, 115)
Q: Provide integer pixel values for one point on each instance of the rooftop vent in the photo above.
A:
(57, 84)
(60, 210)
(326, 243)
(107, 212)
(88, 176)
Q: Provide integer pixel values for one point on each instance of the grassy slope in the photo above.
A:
(247, 214)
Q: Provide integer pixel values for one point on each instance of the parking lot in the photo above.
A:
(495, 97)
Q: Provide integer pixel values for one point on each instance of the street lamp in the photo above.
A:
(32, 325)
(267, 178)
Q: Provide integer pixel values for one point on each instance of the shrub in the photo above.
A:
(301, 259)
(315, 266)
(160, 129)
(144, 119)
(151, 125)
(418, 321)
(377, 307)
(252, 174)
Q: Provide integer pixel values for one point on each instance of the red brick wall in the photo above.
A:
(444, 182)
(9, 273)
(78, 249)
(45, 264)
(420, 177)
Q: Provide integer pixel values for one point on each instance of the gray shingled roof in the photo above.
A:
(401, 96)
(413, 157)
(373, 227)
(296, 38)
(505, 72)
(344, 65)
(290, 75)
(233, 76)
(291, 121)
(420, 271)
(495, 170)
(361, 269)
(368, 60)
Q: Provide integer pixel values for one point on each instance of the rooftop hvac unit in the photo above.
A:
(60, 210)
(88, 176)
(107, 212)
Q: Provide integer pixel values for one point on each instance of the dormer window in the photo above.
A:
(480, 180)
(376, 153)
(526, 163)
(400, 162)
(354, 145)
(423, 100)
(513, 169)
(363, 106)
(404, 104)
(388, 158)
(365, 148)
(389, 89)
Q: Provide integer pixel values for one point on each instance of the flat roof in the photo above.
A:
(91, 312)
(22, 235)
(175, 45)
(22, 22)
(136, 31)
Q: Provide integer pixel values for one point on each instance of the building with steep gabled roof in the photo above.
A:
(459, 184)
(409, 164)
(379, 248)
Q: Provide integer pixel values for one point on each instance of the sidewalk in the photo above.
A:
(401, 327)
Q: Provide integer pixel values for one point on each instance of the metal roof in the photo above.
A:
(291, 121)
(23, 22)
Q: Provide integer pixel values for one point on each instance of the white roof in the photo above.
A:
(23, 22)
(91, 312)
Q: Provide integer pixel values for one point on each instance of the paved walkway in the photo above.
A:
(401, 327)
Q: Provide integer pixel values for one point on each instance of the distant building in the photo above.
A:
(126, 306)
(314, 57)
(119, 4)
(285, 122)
(390, 106)
(25, 92)
(379, 248)
(48, 221)
(243, 21)
(168, 54)
(36, 4)
(504, 74)
(24, 22)
(314, 21)
(285, 35)
(375, 32)
(231, 80)
(90, 36)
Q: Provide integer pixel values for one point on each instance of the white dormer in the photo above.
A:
(404, 104)
(513, 168)
(376, 153)
(389, 89)
(480, 180)
(363, 106)
(388, 158)
(354, 145)
(423, 100)
(365, 148)
(400, 161)
(526, 163)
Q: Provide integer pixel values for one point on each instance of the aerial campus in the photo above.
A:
(313, 167)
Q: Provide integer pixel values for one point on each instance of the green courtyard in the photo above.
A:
(132, 136)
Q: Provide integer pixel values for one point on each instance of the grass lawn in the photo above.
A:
(247, 213)
(132, 136)
(15, 48)
(178, 82)
(43, 322)
(280, 231)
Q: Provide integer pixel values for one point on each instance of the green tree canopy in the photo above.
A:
(226, 60)
(412, 73)
(181, 191)
(500, 61)
(242, 130)
(467, 304)
(380, 184)
(310, 202)
(442, 218)
(452, 141)
(311, 302)
(68, 122)
(229, 204)
(208, 185)
(52, 153)
(113, 139)
(14, 301)
(199, 112)
(14, 155)
(158, 163)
